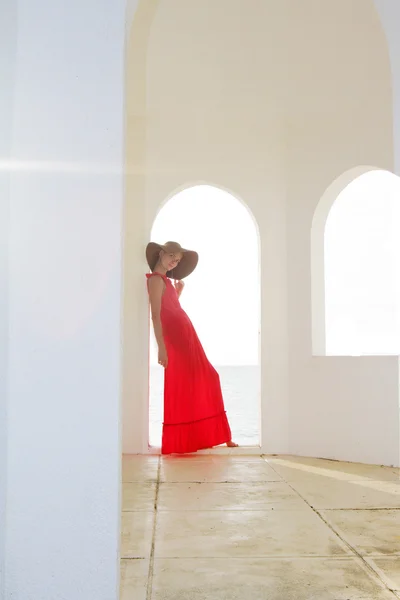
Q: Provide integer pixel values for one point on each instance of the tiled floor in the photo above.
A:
(213, 527)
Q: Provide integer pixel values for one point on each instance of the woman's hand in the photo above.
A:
(163, 357)
(179, 285)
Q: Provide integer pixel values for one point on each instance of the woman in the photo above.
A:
(194, 413)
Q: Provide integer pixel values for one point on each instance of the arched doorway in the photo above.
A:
(222, 298)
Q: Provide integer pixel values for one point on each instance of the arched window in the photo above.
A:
(361, 266)
(222, 298)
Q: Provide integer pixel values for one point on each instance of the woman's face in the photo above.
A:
(170, 260)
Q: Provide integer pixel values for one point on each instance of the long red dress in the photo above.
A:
(194, 412)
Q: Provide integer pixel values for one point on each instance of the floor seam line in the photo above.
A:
(308, 557)
(367, 566)
(358, 554)
(149, 591)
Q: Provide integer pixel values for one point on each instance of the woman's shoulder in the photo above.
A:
(156, 276)
(156, 280)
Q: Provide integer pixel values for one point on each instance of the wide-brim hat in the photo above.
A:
(187, 264)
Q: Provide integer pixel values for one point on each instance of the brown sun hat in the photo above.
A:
(186, 266)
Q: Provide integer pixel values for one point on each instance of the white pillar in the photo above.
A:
(66, 198)
(135, 414)
(389, 12)
(8, 38)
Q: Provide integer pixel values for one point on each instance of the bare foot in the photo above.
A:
(232, 444)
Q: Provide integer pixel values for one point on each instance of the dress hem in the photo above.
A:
(183, 438)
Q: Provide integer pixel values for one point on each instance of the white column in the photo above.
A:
(135, 415)
(66, 199)
(8, 26)
(389, 12)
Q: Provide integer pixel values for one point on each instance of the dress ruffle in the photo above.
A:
(181, 438)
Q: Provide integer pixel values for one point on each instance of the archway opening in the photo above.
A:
(360, 253)
(222, 298)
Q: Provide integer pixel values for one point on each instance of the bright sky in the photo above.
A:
(221, 297)
(362, 267)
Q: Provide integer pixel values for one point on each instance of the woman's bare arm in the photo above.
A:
(156, 290)
(179, 285)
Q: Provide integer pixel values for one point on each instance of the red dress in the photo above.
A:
(194, 412)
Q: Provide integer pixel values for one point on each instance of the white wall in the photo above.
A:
(63, 505)
(348, 406)
(8, 22)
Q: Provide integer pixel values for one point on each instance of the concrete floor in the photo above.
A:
(209, 527)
